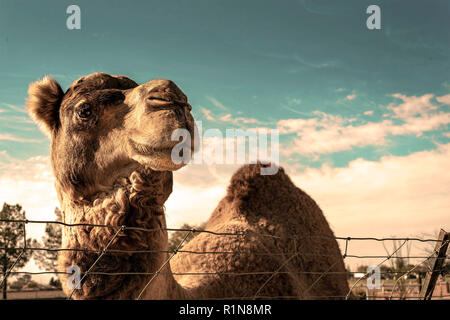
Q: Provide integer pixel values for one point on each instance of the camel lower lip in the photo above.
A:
(143, 149)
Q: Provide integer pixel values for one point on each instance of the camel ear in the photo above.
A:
(44, 100)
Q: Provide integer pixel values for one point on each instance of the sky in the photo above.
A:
(363, 114)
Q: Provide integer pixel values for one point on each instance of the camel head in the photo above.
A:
(111, 153)
(105, 127)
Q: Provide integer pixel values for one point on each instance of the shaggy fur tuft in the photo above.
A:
(43, 104)
(136, 201)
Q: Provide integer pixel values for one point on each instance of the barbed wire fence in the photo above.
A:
(433, 263)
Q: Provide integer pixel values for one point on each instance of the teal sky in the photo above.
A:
(264, 60)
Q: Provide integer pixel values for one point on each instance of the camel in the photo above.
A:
(111, 157)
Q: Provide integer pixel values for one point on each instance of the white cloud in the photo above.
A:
(226, 118)
(196, 192)
(229, 118)
(418, 125)
(444, 99)
(10, 137)
(29, 183)
(328, 133)
(15, 108)
(18, 119)
(401, 196)
(394, 194)
(350, 97)
(217, 103)
(368, 112)
(207, 114)
(412, 106)
(294, 101)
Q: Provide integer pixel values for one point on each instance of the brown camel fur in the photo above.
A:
(111, 155)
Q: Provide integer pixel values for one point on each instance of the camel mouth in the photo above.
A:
(166, 100)
(147, 150)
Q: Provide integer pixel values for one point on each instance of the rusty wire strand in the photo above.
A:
(239, 234)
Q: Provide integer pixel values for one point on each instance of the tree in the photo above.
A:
(20, 282)
(349, 272)
(12, 237)
(386, 272)
(47, 260)
(400, 265)
(24, 282)
(177, 236)
(362, 268)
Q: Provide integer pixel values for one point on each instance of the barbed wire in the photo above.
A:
(26, 221)
(106, 250)
(209, 252)
(137, 273)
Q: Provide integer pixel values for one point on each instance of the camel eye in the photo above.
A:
(85, 111)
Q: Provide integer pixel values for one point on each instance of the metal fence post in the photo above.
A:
(436, 263)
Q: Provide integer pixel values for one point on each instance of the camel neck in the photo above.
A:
(164, 286)
(142, 252)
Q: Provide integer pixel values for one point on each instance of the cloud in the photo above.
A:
(196, 192)
(328, 136)
(350, 97)
(29, 183)
(300, 62)
(294, 101)
(326, 133)
(217, 103)
(401, 196)
(239, 120)
(412, 106)
(417, 182)
(418, 125)
(207, 114)
(368, 112)
(18, 119)
(15, 108)
(444, 99)
(10, 137)
(229, 118)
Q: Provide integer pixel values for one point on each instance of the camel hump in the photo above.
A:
(248, 181)
(275, 196)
